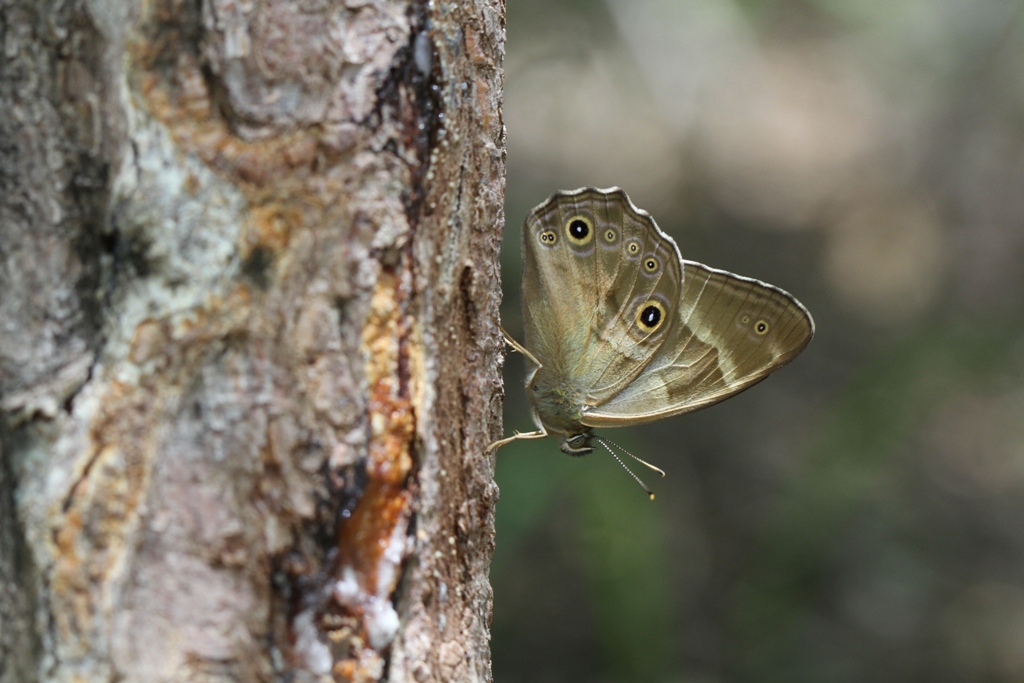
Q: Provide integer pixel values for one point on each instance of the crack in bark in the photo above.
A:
(411, 96)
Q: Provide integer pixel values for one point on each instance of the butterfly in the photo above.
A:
(620, 330)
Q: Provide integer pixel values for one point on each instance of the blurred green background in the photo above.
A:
(859, 516)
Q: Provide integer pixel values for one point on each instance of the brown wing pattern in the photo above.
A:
(731, 332)
(581, 299)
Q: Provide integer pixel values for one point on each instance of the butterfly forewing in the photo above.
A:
(583, 294)
(647, 272)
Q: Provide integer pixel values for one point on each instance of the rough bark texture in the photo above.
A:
(248, 353)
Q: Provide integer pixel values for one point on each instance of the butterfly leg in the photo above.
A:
(539, 434)
(518, 347)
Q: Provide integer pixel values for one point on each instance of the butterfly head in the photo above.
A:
(577, 444)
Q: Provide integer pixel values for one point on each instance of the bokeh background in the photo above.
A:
(859, 516)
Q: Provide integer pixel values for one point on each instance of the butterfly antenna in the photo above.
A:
(650, 493)
(643, 462)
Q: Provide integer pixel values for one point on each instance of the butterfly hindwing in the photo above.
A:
(730, 333)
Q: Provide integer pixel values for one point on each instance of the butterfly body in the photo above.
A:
(620, 330)
(558, 408)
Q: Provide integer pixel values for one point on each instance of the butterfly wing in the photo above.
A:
(730, 333)
(590, 261)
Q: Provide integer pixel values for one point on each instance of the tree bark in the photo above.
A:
(249, 358)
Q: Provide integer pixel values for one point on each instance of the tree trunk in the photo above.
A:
(248, 353)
